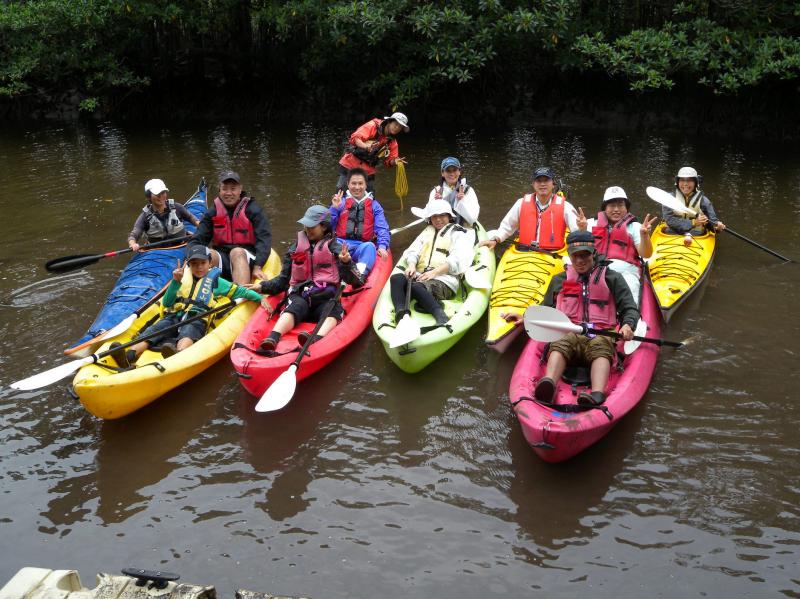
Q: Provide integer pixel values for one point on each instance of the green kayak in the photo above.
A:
(464, 310)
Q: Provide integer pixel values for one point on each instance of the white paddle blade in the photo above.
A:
(667, 199)
(409, 225)
(279, 392)
(407, 331)
(543, 323)
(630, 346)
(48, 377)
(477, 279)
(118, 329)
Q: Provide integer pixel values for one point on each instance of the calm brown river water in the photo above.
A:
(375, 483)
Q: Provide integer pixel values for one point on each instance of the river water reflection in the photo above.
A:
(377, 483)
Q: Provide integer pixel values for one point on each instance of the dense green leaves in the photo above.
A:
(94, 51)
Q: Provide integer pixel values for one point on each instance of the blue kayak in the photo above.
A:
(146, 274)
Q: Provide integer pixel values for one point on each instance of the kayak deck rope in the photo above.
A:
(676, 261)
(523, 270)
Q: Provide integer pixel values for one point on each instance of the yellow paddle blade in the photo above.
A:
(400, 182)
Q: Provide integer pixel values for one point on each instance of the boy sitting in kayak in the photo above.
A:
(587, 292)
(161, 219)
(312, 269)
(186, 295)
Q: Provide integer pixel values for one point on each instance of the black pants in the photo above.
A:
(397, 285)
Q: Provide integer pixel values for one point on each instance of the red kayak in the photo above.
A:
(257, 372)
(557, 435)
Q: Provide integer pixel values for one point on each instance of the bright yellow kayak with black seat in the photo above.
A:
(522, 278)
(108, 392)
(676, 269)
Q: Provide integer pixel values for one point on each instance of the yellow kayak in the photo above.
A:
(675, 269)
(108, 393)
(522, 279)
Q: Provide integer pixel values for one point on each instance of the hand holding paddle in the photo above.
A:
(670, 201)
(68, 263)
(281, 391)
(543, 323)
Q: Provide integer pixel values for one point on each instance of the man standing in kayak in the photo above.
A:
(541, 217)
(239, 231)
(591, 293)
(372, 143)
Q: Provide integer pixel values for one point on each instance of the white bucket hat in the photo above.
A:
(155, 186)
(400, 118)
(433, 207)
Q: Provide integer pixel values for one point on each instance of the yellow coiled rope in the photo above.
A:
(400, 182)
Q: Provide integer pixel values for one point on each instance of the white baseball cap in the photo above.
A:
(432, 208)
(614, 193)
(155, 186)
(400, 118)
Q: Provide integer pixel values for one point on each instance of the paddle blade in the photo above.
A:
(68, 263)
(543, 323)
(477, 279)
(407, 331)
(118, 329)
(630, 346)
(667, 199)
(48, 377)
(280, 392)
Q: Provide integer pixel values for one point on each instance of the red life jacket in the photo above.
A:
(356, 221)
(232, 231)
(317, 264)
(618, 245)
(591, 303)
(551, 228)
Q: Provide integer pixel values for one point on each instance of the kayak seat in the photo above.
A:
(577, 376)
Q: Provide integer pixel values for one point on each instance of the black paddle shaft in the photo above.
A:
(322, 318)
(615, 335)
(228, 306)
(758, 245)
(67, 263)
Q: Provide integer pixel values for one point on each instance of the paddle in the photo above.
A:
(408, 226)
(48, 377)
(670, 201)
(68, 263)
(474, 278)
(758, 245)
(281, 391)
(543, 323)
(407, 330)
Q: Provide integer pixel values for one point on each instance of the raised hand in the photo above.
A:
(582, 221)
(336, 200)
(177, 274)
(647, 224)
(344, 255)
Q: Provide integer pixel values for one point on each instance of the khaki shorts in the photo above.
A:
(579, 349)
(437, 289)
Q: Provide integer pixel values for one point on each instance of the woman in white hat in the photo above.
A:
(618, 236)
(687, 190)
(372, 143)
(433, 263)
(161, 219)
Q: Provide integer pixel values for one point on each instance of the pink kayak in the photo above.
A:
(257, 371)
(557, 435)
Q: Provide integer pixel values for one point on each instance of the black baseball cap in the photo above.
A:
(544, 171)
(229, 176)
